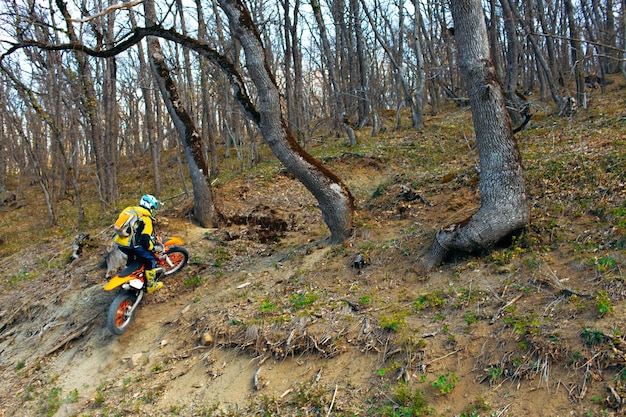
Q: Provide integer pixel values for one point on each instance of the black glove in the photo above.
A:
(144, 241)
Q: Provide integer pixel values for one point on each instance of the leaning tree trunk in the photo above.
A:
(203, 208)
(335, 200)
(504, 202)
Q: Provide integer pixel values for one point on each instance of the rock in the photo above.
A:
(207, 339)
(136, 360)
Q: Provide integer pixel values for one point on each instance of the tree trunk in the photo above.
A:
(362, 88)
(504, 202)
(208, 116)
(409, 100)
(576, 52)
(91, 113)
(547, 71)
(516, 107)
(111, 113)
(419, 67)
(494, 43)
(150, 123)
(334, 198)
(203, 209)
(39, 168)
(623, 37)
(332, 78)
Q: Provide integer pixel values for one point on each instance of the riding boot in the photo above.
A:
(152, 285)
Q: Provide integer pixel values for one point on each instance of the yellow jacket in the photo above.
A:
(144, 227)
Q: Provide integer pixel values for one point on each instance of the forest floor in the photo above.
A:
(273, 321)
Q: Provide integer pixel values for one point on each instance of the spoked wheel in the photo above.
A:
(121, 313)
(174, 260)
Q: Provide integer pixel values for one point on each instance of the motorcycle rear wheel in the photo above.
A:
(120, 314)
(178, 257)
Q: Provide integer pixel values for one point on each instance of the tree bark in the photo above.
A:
(419, 66)
(504, 202)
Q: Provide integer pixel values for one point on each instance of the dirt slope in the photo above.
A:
(266, 321)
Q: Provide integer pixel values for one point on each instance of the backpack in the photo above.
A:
(126, 223)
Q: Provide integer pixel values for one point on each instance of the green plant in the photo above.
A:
(592, 337)
(411, 403)
(221, 255)
(381, 372)
(51, 404)
(72, 396)
(20, 365)
(394, 322)
(267, 306)
(302, 300)
(605, 263)
(524, 323)
(433, 299)
(470, 318)
(157, 367)
(100, 397)
(366, 299)
(495, 373)
(445, 383)
(603, 303)
(477, 408)
(195, 281)
(380, 190)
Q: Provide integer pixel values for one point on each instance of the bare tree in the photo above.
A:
(334, 198)
(332, 76)
(106, 183)
(576, 52)
(547, 69)
(204, 209)
(150, 123)
(46, 183)
(409, 99)
(504, 200)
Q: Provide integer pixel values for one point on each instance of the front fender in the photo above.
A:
(116, 281)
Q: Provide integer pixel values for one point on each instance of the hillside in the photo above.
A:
(266, 321)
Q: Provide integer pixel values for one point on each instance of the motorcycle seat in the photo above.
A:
(134, 266)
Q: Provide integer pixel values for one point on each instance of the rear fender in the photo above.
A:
(116, 281)
(173, 241)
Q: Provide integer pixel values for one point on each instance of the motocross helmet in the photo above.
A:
(148, 201)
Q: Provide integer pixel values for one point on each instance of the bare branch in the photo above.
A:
(219, 60)
(108, 10)
(568, 38)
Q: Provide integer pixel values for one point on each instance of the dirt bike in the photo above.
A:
(133, 284)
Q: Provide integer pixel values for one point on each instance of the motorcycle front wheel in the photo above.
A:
(121, 313)
(174, 260)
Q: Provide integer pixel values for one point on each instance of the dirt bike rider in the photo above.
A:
(140, 244)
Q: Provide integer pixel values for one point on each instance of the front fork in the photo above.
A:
(132, 308)
(164, 257)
